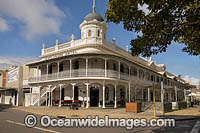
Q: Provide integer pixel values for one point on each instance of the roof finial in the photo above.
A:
(93, 6)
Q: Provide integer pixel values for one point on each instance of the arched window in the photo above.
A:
(141, 73)
(50, 69)
(89, 33)
(135, 71)
(147, 75)
(98, 33)
(122, 68)
(61, 67)
(76, 64)
(152, 77)
(114, 66)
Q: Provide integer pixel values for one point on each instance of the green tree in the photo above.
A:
(165, 22)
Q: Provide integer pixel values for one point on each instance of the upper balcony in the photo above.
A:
(79, 74)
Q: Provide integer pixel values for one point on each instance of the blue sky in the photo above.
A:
(26, 25)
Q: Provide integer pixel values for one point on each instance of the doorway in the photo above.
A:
(76, 93)
(94, 97)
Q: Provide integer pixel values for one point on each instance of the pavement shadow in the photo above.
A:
(4, 107)
(183, 123)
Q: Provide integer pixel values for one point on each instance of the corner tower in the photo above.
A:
(93, 27)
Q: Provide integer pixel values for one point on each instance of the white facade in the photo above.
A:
(99, 73)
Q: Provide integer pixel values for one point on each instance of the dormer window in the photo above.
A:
(89, 33)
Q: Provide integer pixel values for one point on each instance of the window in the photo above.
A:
(107, 93)
(114, 66)
(50, 69)
(89, 33)
(76, 64)
(152, 77)
(135, 71)
(157, 79)
(141, 73)
(122, 68)
(122, 94)
(147, 75)
(61, 67)
(98, 33)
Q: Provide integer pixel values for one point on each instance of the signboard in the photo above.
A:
(60, 55)
(13, 75)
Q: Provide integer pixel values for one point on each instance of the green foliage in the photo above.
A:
(166, 21)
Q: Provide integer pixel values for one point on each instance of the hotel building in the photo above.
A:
(99, 73)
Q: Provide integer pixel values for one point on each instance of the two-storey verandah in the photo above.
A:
(98, 80)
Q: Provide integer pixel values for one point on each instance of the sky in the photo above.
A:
(26, 24)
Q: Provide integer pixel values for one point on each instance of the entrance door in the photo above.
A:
(62, 94)
(94, 97)
(75, 93)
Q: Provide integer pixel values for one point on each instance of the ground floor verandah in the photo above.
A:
(98, 93)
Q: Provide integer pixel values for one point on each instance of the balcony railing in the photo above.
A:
(80, 73)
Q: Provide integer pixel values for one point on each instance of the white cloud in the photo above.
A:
(3, 25)
(7, 61)
(192, 80)
(37, 17)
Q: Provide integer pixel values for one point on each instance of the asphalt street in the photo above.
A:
(12, 121)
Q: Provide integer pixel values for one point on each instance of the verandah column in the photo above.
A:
(103, 106)
(115, 106)
(49, 89)
(149, 97)
(73, 86)
(39, 95)
(61, 85)
(86, 67)
(87, 100)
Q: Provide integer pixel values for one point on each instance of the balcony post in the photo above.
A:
(87, 101)
(58, 69)
(37, 74)
(115, 106)
(47, 71)
(119, 69)
(70, 67)
(162, 92)
(86, 67)
(176, 94)
(105, 67)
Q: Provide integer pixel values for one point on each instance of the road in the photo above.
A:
(12, 121)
